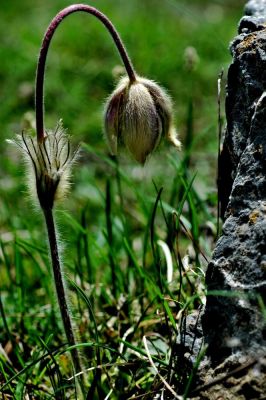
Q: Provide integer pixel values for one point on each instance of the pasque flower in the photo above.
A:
(49, 164)
(139, 113)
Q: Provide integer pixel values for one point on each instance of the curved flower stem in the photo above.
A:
(60, 290)
(44, 50)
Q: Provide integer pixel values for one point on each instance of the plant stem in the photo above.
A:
(60, 288)
(39, 103)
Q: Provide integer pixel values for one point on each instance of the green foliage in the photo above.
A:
(111, 223)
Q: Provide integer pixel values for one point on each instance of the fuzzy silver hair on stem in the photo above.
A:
(139, 113)
(49, 158)
(49, 164)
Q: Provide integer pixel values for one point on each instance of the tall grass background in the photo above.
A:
(135, 241)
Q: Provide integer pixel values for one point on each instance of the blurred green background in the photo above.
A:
(83, 65)
(82, 58)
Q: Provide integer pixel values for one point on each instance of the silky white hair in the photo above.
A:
(139, 114)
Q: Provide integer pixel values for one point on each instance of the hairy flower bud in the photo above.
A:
(49, 162)
(138, 114)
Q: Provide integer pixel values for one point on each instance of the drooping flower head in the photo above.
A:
(139, 113)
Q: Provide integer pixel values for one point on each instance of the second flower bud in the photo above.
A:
(138, 114)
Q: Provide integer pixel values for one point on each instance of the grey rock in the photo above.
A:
(233, 321)
(256, 8)
(255, 17)
(251, 24)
